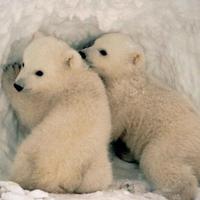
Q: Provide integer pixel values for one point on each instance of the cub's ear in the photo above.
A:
(137, 58)
(73, 60)
(37, 35)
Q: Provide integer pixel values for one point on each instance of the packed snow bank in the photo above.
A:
(168, 30)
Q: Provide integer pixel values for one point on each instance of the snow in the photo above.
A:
(11, 187)
(169, 32)
(10, 191)
(38, 194)
(111, 195)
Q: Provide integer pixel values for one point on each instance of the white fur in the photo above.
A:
(159, 125)
(67, 114)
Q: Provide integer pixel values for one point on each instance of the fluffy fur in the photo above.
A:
(67, 113)
(159, 125)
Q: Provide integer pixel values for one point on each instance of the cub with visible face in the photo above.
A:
(158, 125)
(67, 150)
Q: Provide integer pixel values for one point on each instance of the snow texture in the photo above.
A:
(169, 32)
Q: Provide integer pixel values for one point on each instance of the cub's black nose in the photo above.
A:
(18, 87)
(83, 55)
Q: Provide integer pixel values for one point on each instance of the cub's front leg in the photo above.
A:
(10, 73)
(98, 175)
(52, 156)
(16, 99)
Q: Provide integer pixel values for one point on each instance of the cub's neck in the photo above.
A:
(126, 85)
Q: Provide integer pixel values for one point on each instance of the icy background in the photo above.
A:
(169, 31)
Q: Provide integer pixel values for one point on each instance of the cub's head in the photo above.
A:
(47, 64)
(113, 55)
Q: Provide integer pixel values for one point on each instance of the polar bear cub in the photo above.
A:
(67, 150)
(160, 127)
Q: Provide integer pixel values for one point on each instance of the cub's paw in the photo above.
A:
(13, 69)
(10, 72)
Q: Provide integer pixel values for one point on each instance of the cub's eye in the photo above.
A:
(103, 52)
(39, 73)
